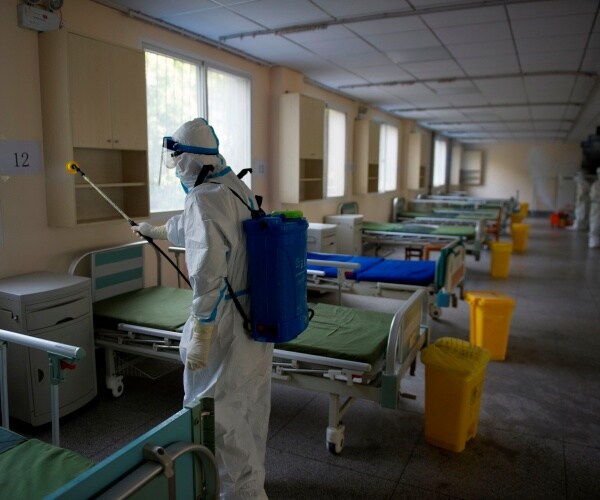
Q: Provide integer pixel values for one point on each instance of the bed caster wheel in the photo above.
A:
(434, 311)
(335, 439)
(115, 384)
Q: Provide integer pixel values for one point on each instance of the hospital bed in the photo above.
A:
(392, 278)
(177, 455)
(130, 318)
(421, 233)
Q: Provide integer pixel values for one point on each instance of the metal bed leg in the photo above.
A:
(335, 430)
(4, 386)
(114, 382)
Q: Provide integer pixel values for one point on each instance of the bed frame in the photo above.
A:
(408, 332)
(175, 456)
(450, 270)
(346, 381)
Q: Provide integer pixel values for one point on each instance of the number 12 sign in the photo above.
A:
(20, 158)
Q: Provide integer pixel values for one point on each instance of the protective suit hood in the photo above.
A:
(194, 145)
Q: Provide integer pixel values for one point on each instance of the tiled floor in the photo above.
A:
(539, 425)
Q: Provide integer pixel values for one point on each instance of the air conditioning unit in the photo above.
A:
(37, 18)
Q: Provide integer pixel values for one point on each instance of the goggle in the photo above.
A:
(177, 148)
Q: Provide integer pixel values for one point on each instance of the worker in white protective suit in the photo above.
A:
(221, 359)
(594, 234)
(582, 203)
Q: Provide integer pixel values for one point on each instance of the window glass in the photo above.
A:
(335, 152)
(439, 163)
(388, 158)
(229, 114)
(176, 90)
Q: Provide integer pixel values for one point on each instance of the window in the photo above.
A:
(176, 90)
(388, 158)
(335, 123)
(440, 163)
(229, 114)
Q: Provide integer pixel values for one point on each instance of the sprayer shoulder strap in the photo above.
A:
(255, 213)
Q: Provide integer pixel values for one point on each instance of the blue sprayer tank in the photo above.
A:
(277, 275)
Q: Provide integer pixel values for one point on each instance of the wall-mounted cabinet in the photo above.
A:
(471, 170)
(366, 156)
(301, 149)
(94, 112)
(416, 172)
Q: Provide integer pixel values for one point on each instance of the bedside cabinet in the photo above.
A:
(322, 237)
(52, 307)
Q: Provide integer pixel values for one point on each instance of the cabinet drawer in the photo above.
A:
(54, 314)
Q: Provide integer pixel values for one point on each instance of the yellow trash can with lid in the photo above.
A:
(454, 375)
(491, 314)
(500, 263)
(519, 233)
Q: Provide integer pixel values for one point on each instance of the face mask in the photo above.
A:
(185, 188)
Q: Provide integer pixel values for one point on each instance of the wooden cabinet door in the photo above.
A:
(89, 86)
(374, 129)
(312, 128)
(128, 99)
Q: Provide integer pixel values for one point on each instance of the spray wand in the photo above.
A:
(73, 169)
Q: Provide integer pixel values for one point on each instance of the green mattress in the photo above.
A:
(33, 469)
(161, 307)
(343, 333)
(441, 230)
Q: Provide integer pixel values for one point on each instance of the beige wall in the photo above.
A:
(512, 168)
(28, 244)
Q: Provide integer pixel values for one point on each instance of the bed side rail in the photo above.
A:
(450, 269)
(114, 270)
(60, 357)
(177, 454)
(409, 332)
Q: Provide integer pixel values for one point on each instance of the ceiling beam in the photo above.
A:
(483, 106)
(299, 28)
(583, 74)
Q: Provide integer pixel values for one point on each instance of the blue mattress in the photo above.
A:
(403, 272)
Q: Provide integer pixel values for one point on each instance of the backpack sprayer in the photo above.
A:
(73, 169)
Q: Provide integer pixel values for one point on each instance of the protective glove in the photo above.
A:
(199, 347)
(154, 232)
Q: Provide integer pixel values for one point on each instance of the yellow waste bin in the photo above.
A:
(501, 251)
(454, 374)
(524, 209)
(491, 313)
(519, 233)
(516, 218)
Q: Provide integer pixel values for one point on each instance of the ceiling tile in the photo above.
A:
(214, 23)
(547, 112)
(594, 42)
(386, 72)
(372, 94)
(161, 10)
(332, 48)
(513, 113)
(551, 8)
(355, 61)
(418, 55)
(279, 13)
(383, 26)
(495, 48)
(353, 8)
(582, 88)
(550, 43)
(558, 59)
(334, 77)
(433, 69)
(552, 26)
(462, 17)
(473, 33)
(499, 64)
(503, 90)
(591, 61)
(409, 40)
(330, 33)
(409, 91)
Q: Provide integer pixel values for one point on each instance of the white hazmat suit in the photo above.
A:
(594, 234)
(582, 203)
(236, 371)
